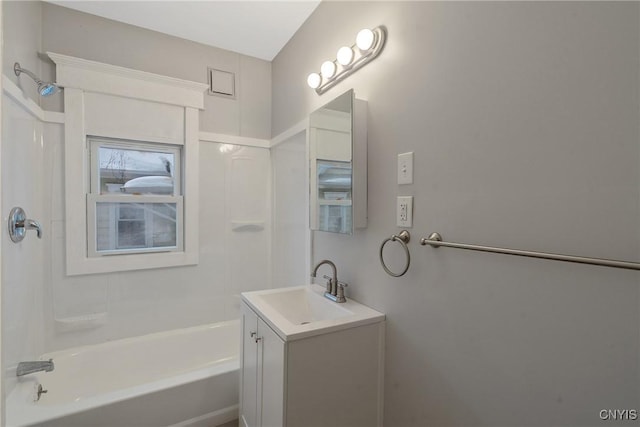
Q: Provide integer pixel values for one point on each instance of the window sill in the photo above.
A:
(114, 263)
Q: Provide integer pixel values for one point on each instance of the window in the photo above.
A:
(136, 214)
(135, 199)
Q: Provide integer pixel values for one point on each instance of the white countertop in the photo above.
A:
(284, 310)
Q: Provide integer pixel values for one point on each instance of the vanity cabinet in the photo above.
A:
(262, 379)
(330, 379)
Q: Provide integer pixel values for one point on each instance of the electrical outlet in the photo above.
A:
(404, 211)
(405, 168)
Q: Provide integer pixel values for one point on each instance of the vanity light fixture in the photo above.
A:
(328, 69)
(369, 44)
(345, 56)
(314, 80)
(365, 39)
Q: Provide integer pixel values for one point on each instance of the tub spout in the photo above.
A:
(25, 368)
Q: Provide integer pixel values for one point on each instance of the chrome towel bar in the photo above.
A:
(435, 240)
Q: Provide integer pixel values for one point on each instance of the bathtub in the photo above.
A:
(186, 377)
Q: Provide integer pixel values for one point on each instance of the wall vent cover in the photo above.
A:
(222, 83)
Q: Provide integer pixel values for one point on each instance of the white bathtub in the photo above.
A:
(186, 377)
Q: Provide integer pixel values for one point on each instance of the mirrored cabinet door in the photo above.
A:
(337, 147)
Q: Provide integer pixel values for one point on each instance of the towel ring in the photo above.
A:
(402, 238)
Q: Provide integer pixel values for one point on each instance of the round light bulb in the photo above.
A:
(328, 69)
(365, 39)
(314, 80)
(345, 55)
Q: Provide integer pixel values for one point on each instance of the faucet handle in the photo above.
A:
(340, 291)
(19, 224)
(329, 283)
(30, 224)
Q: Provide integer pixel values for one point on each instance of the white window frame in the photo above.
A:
(80, 77)
(93, 200)
(95, 196)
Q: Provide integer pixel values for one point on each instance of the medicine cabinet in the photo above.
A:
(338, 165)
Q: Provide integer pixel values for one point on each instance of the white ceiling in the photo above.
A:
(255, 28)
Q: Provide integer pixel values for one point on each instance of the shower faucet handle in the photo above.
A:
(19, 224)
(30, 224)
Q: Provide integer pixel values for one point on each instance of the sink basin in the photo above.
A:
(303, 311)
(301, 306)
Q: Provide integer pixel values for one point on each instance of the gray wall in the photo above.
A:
(524, 122)
(87, 36)
(20, 45)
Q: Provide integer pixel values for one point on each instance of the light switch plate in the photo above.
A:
(405, 168)
(404, 212)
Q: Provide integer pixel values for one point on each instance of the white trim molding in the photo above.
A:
(234, 139)
(15, 93)
(92, 76)
(301, 126)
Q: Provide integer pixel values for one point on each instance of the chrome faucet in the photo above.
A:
(25, 368)
(19, 224)
(335, 289)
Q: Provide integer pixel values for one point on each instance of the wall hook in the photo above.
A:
(19, 224)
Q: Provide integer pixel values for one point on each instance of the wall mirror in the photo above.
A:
(338, 167)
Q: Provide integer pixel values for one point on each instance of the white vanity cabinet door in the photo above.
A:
(249, 369)
(271, 381)
(262, 373)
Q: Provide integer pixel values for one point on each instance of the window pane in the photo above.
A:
(130, 211)
(130, 235)
(122, 226)
(336, 219)
(164, 224)
(334, 180)
(135, 171)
